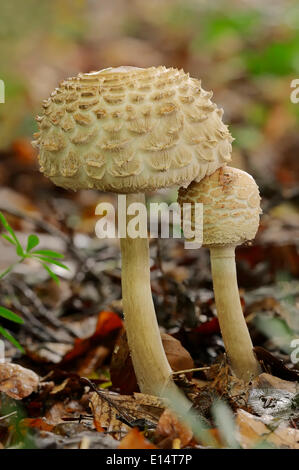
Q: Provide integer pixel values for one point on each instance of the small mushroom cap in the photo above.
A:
(231, 206)
(130, 129)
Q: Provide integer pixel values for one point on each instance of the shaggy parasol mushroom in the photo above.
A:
(231, 209)
(131, 130)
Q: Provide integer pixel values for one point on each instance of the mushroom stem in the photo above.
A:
(233, 326)
(151, 367)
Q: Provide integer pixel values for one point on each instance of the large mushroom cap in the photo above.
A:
(129, 129)
(231, 206)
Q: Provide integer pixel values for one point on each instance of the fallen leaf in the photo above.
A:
(229, 387)
(108, 322)
(135, 440)
(55, 414)
(122, 372)
(118, 413)
(276, 365)
(93, 360)
(70, 386)
(16, 381)
(253, 432)
(178, 357)
(169, 426)
(60, 387)
(63, 411)
(37, 423)
(270, 381)
(274, 399)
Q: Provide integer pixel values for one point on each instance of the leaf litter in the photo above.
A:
(75, 329)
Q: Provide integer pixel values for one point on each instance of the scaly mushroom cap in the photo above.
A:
(231, 206)
(129, 129)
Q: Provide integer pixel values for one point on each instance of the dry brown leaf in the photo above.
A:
(274, 400)
(226, 385)
(60, 387)
(16, 381)
(37, 423)
(93, 360)
(252, 431)
(135, 440)
(169, 426)
(270, 381)
(107, 323)
(178, 357)
(122, 371)
(64, 410)
(107, 406)
(277, 367)
(55, 414)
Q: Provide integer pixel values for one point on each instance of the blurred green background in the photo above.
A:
(247, 52)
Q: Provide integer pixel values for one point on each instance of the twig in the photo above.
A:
(8, 415)
(124, 415)
(40, 308)
(190, 370)
(36, 328)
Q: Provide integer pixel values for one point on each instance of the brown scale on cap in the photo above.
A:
(231, 206)
(128, 129)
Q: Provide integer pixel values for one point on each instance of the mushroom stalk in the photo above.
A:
(231, 319)
(148, 356)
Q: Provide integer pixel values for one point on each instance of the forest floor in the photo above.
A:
(74, 385)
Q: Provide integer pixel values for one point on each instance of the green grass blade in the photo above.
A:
(11, 339)
(52, 261)
(9, 315)
(12, 233)
(7, 238)
(48, 253)
(53, 275)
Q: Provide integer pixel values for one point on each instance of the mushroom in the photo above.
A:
(231, 208)
(130, 130)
